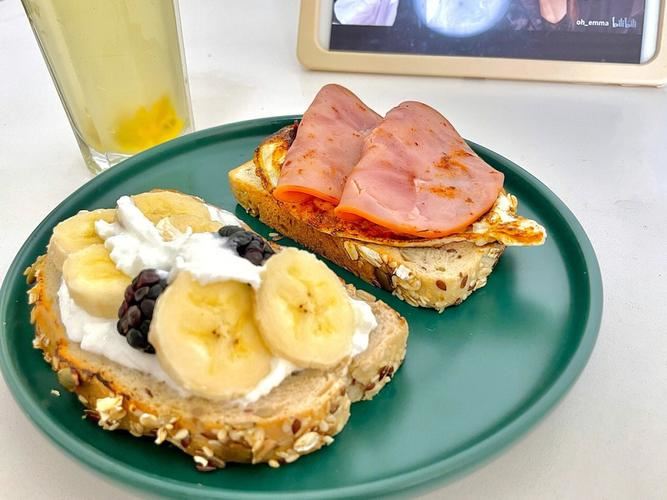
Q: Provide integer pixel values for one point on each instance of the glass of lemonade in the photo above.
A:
(120, 72)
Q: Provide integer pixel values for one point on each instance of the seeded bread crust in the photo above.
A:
(422, 276)
(298, 417)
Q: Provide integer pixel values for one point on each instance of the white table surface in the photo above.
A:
(602, 150)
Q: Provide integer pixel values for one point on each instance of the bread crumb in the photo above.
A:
(181, 434)
(55, 392)
(161, 436)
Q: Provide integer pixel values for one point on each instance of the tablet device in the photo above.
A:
(602, 41)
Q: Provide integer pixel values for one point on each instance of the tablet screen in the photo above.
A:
(567, 30)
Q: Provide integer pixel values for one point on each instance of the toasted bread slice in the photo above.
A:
(298, 417)
(435, 277)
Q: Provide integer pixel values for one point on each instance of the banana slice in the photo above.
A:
(94, 282)
(75, 233)
(303, 311)
(158, 205)
(206, 338)
(197, 224)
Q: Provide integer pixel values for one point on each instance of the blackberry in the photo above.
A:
(229, 230)
(247, 244)
(136, 311)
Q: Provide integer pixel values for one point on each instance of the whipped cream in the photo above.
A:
(208, 260)
(280, 370)
(99, 336)
(366, 323)
(222, 216)
(134, 244)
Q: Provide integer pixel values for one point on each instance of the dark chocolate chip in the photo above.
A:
(133, 316)
(154, 291)
(147, 306)
(141, 293)
(226, 231)
(136, 339)
(147, 277)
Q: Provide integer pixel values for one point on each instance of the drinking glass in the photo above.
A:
(119, 69)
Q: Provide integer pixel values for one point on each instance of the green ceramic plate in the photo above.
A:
(475, 379)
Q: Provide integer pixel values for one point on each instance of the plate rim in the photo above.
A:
(437, 472)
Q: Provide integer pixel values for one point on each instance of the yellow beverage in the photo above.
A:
(119, 69)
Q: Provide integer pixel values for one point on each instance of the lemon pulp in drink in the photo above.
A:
(118, 67)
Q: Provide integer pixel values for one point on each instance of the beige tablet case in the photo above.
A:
(314, 56)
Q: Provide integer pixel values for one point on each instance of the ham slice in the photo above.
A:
(417, 176)
(327, 146)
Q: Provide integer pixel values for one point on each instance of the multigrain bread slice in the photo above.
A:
(298, 417)
(422, 276)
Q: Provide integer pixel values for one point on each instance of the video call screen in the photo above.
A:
(568, 30)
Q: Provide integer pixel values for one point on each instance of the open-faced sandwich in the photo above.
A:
(170, 319)
(401, 201)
